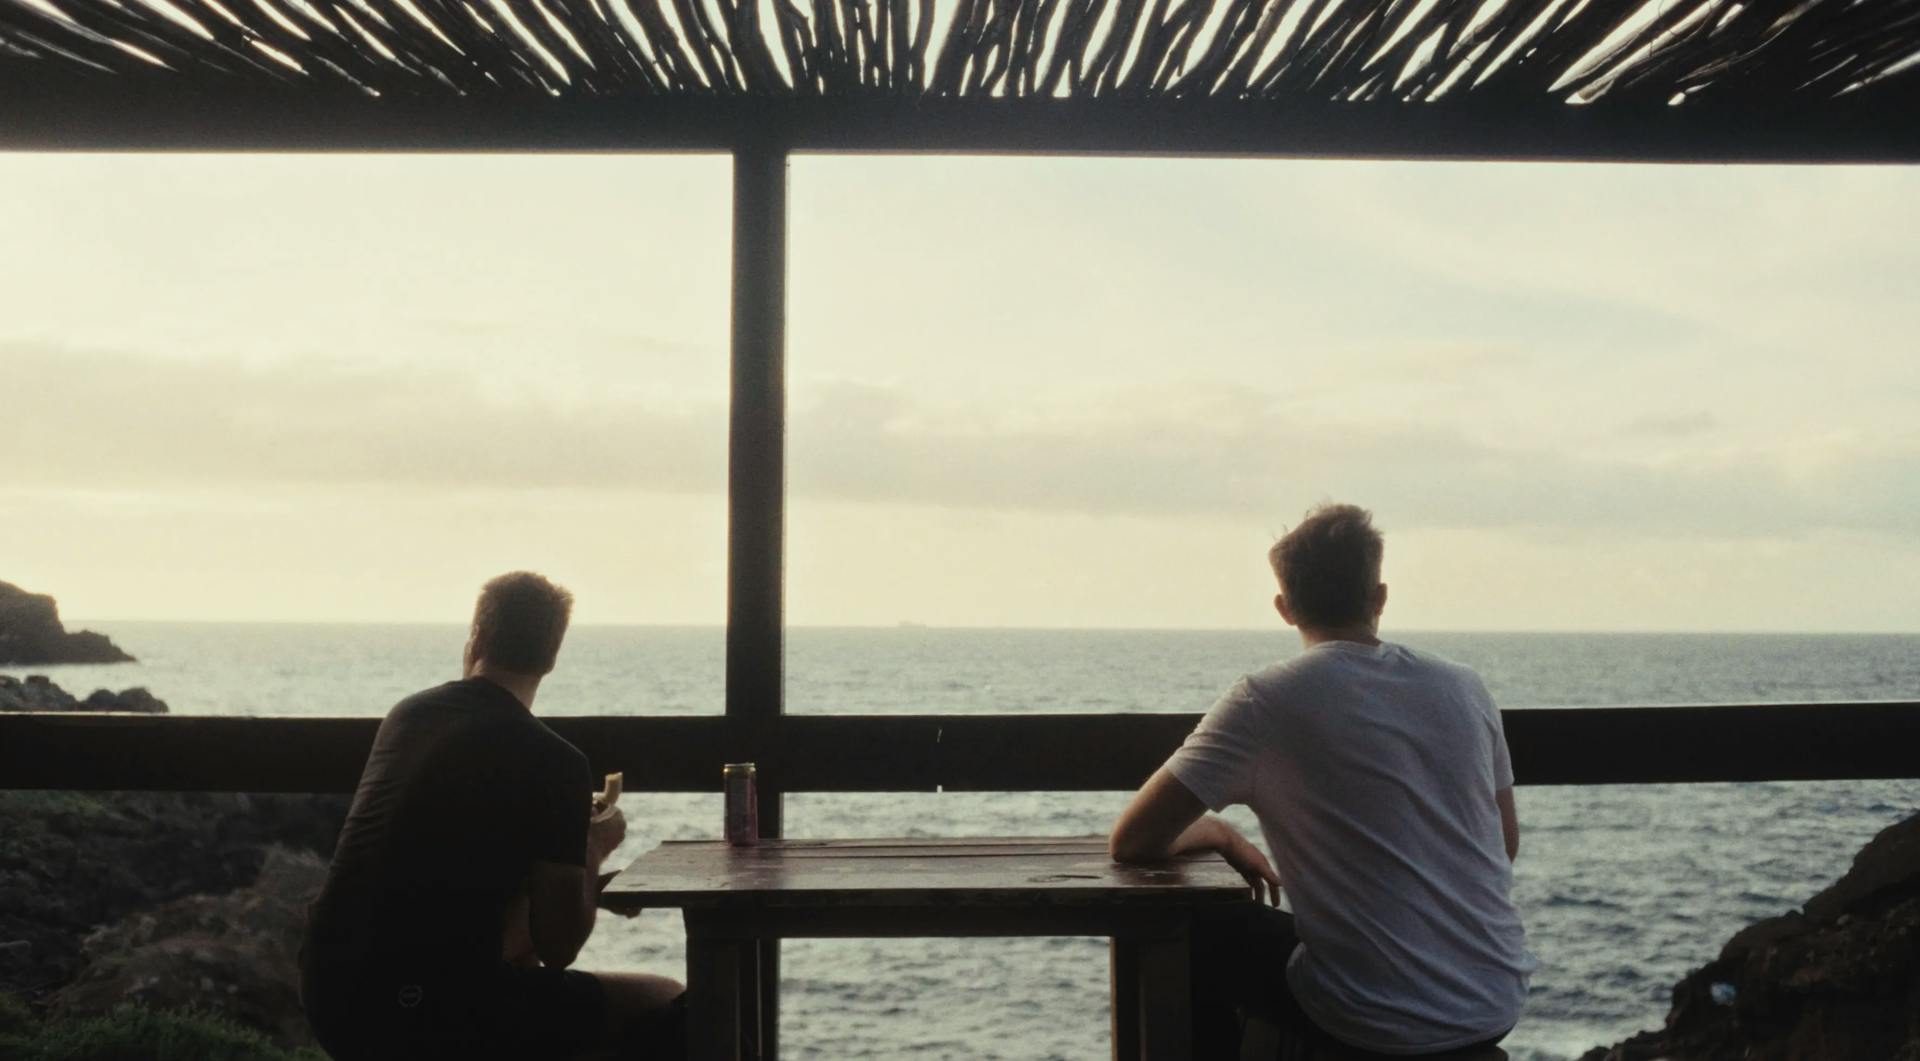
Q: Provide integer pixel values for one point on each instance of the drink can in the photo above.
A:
(743, 804)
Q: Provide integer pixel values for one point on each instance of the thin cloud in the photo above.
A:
(107, 420)
(1671, 425)
(104, 421)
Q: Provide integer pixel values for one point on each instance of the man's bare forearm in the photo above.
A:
(1209, 833)
(590, 896)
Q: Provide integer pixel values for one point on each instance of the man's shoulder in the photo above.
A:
(1443, 667)
(560, 748)
(457, 694)
(1437, 678)
(485, 713)
(1277, 680)
(557, 756)
(1337, 668)
(1313, 666)
(422, 716)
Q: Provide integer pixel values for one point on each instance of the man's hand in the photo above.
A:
(1242, 855)
(603, 835)
(600, 893)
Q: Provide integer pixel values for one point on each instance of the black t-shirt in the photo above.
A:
(464, 790)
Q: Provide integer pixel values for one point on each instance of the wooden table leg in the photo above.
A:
(1166, 998)
(714, 974)
(1123, 965)
(769, 1000)
(752, 1011)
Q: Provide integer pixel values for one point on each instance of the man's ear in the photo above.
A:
(466, 658)
(1379, 599)
(1280, 605)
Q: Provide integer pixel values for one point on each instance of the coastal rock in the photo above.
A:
(31, 634)
(72, 861)
(234, 954)
(136, 699)
(39, 693)
(1837, 980)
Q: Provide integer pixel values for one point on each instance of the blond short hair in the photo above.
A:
(519, 622)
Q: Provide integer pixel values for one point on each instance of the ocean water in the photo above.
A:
(1623, 888)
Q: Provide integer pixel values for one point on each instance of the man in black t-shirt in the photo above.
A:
(464, 882)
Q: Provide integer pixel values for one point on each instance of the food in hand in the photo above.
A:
(607, 803)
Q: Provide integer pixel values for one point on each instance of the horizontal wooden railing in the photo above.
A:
(906, 753)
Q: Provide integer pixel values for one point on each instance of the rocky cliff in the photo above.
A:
(71, 862)
(235, 954)
(39, 693)
(1838, 980)
(31, 634)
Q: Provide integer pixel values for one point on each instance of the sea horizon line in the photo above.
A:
(1390, 634)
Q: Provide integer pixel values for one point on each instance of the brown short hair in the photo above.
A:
(1329, 565)
(519, 621)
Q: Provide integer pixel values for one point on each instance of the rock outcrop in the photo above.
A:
(39, 693)
(73, 861)
(233, 954)
(1834, 981)
(31, 634)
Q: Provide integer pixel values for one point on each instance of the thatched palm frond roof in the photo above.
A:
(1805, 55)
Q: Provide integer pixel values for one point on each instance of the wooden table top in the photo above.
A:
(989, 872)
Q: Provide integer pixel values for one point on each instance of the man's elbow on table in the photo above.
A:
(1130, 840)
(1124, 846)
(1149, 830)
(1133, 840)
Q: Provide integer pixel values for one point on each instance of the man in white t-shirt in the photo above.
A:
(1382, 784)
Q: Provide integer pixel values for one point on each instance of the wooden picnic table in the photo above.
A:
(735, 897)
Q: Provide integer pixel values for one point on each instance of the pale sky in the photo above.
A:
(1026, 392)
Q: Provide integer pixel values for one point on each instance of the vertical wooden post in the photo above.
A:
(756, 486)
(756, 456)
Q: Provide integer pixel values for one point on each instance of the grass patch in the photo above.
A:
(77, 804)
(15, 1017)
(133, 1033)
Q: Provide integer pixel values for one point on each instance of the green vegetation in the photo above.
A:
(80, 805)
(32, 824)
(15, 1018)
(135, 1034)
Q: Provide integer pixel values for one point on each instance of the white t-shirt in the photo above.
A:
(1373, 770)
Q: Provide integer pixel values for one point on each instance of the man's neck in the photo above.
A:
(522, 686)
(1359, 635)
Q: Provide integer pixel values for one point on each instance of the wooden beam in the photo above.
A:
(756, 500)
(907, 753)
(87, 115)
(756, 451)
